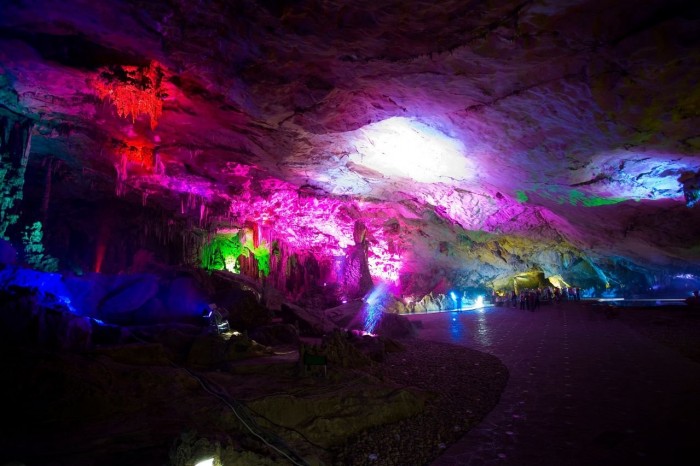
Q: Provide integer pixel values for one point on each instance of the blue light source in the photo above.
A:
(372, 309)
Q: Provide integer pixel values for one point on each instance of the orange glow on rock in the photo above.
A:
(139, 151)
(140, 93)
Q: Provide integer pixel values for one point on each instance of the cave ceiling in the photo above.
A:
(559, 122)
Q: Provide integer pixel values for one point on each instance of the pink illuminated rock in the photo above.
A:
(472, 142)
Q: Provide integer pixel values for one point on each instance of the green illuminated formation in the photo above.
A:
(577, 197)
(15, 139)
(262, 255)
(221, 252)
(34, 254)
(521, 196)
(224, 249)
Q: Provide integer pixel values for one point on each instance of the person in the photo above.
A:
(514, 299)
(694, 301)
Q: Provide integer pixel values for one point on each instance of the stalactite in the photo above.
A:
(202, 212)
(47, 190)
(15, 145)
(140, 94)
(256, 234)
(159, 167)
(122, 175)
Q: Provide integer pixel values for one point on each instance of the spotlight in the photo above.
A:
(480, 301)
(206, 462)
(453, 295)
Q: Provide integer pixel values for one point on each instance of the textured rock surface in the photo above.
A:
(129, 403)
(567, 131)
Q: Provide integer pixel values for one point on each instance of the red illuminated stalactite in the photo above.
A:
(140, 94)
(256, 234)
(141, 154)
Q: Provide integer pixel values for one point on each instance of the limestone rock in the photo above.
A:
(330, 421)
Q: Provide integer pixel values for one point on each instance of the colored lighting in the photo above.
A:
(206, 462)
(408, 148)
(615, 177)
(139, 94)
(99, 256)
(318, 225)
(373, 307)
(308, 222)
(479, 301)
(456, 328)
(383, 265)
(577, 197)
(139, 152)
(224, 249)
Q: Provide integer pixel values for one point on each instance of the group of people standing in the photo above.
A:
(530, 299)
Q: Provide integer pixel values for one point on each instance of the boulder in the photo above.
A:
(206, 352)
(126, 294)
(275, 334)
(329, 421)
(395, 326)
(308, 321)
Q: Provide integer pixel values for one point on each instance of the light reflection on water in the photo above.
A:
(456, 327)
(471, 325)
(483, 332)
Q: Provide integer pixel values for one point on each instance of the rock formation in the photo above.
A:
(472, 142)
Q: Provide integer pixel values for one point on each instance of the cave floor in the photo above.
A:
(588, 386)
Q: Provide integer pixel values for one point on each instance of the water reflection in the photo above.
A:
(457, 333)
(483, 332)
(472, 325)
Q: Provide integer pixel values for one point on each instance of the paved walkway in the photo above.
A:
(584, 390)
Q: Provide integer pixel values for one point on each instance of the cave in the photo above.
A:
(196, 196)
